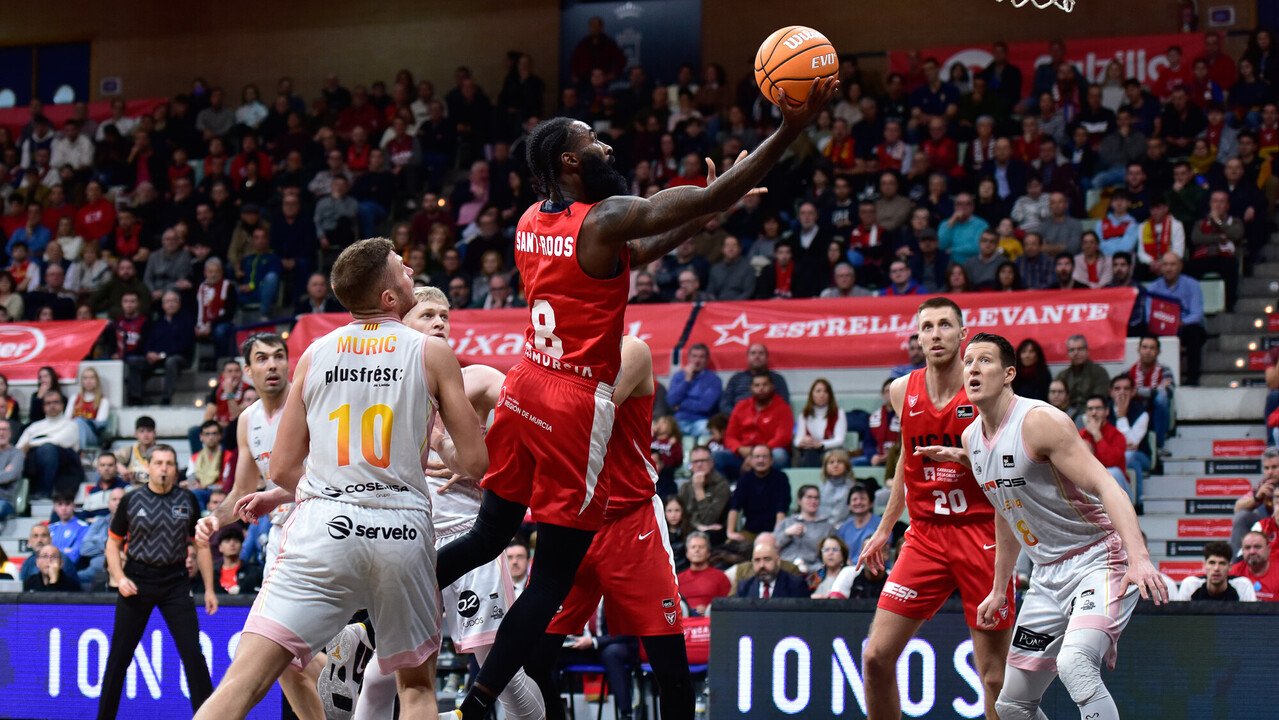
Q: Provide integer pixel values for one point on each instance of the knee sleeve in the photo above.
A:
(1079, 665)
(1009, 709)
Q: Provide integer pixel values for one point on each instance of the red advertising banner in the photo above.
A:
(1242, 447)
(26, 347)
(1143, 56)
(496, 337)
(1204, 527)
(1222, 487)
(1179, 570)
(872, 332)
(1272, 323)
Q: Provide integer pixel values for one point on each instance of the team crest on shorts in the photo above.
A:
(964, 412)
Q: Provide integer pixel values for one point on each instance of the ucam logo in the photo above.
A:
(19, 344)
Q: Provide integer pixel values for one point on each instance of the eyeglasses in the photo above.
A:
(700, 460)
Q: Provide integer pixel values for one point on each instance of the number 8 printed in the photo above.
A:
(543, 317)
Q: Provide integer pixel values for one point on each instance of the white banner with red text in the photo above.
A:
(873, 332)
(496, 337)
(1143, 57)
(62, 345)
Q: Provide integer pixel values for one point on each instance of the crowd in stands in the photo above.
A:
(183, 224)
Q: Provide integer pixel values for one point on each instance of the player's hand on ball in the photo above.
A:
(1143, 574)
(204, 529)
(992, 610)
(819, 97)
(941, 453)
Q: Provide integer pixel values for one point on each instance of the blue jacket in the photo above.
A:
(697, 399)
(172, 337)
(67, 536)
(786, 585)
(1187, 292)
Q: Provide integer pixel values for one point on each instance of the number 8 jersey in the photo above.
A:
(369, 411)
(575, 321)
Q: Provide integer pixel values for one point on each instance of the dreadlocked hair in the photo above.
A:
(545, 144)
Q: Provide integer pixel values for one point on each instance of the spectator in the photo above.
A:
(126, 280)
(108, 478)
(885, 432)
(517, 561)
(769, 580)
(260, 274)
(37, 537)
(1215, 244)
(11, 465)
(1129, 416)
(1092, 268)
(69, 530)
(1259, 504)
(53, 294)
(133, 459)
(844, 284)
(738, 386)
(52, 448)
(170, 343)
(52, 577)
(914, 356)
(46, 379)
(706, 495)
(762, 419)
(1031, 210)
(92, 572)
(170, 268)
(799, 536)
(1185, 291)
(982, 267)
(820, 426)
(733, 277)
(88, 274)
(700, 583)
(1107, 443)
(834, 564)
(90, 408)
(960, 234)
(646, 289)
(1185, 197)
(1153, 384)
(1122, 146)
(500, 294)
(689, 288)
(1083, 377)
(216, 300)
(761, 498)
(1216, 583)
(1060, 231)
(901, 280)
(861, 522)
(318, 298)
(1033, 377)
(231, 575)
(1272, 397)
(1119, 230)
(1257, 568)
(694, 392)
(1159, 235)
(677, 528)
(212, 467)
(835, 482)
(667, 453)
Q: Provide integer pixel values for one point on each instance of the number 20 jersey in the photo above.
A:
(369, 411)
(575, 321)
(941, 493)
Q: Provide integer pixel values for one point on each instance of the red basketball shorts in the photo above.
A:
(937, 560)
(630, 564)
(547, 443)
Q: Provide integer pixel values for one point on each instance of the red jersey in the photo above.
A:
(628, 472)
(95, 220)
(1266, 586)
(575, 321)
(85, 409)
(936, 492)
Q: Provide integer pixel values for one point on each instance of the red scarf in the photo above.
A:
(1112, 229)
(1093, 276)
(210, 300)
(784, 275)
(18, 271)
(1268, 138)
(839, 153)
(1141, 378)
(128, 243)
(890, 156)
(1157, 241)
(10, 408)
(84, 409)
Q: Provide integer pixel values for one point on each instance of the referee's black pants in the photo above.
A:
(169, 589)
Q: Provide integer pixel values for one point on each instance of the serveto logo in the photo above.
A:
(340, 527)
(20, 344)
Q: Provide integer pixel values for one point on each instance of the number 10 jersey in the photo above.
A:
(369, 412)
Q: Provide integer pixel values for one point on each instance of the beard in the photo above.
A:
(600, 180)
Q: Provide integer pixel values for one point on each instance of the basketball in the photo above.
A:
(790, 59)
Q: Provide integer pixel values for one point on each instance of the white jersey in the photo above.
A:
(454, 511)
(1052, 517)
(261, 432)
(369, 411)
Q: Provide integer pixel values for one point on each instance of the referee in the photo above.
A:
(158, 522)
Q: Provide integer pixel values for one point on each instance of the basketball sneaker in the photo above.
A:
(349, 653)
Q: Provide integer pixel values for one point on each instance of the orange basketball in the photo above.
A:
(790, 58)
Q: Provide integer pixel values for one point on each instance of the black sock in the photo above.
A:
(669, 660)
(495, 525)
(477, 704)
(559, 553)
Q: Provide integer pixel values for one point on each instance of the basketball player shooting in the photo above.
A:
(1075, 522)
(551, 428)
(949, 545)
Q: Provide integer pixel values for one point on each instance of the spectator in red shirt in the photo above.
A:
(249, 151)
(1107, 443)
(690, 172)
(840, 148)
(1221, 69)
(764, 418)
(701, 583)
(1257, 567)
(942, 151)
(1175, 75)
(361, 113)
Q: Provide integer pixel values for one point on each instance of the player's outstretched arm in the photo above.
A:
(293, 438)
(463, 450)
(626, 218)
(1050, 434)
(872, 555)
